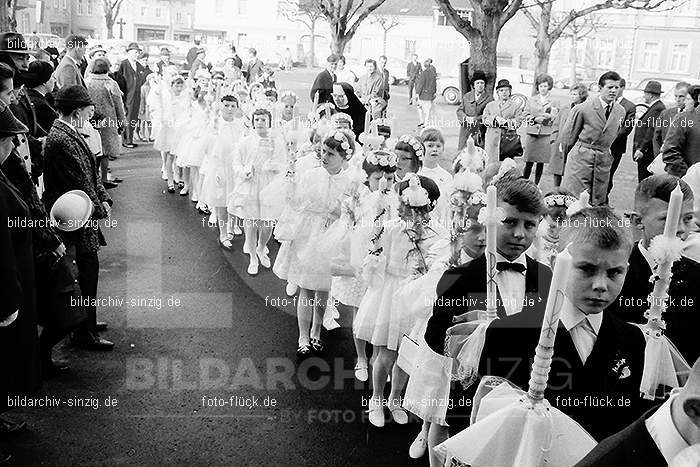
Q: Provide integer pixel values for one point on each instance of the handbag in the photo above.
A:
(408, 350)
(60, 299)
(510, 146)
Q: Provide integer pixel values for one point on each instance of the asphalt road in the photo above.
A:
(204, 370)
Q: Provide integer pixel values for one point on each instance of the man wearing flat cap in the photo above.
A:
(69, 165)
(643, 145)
(471, 110)
(133, 75)
(323, 84)
(68, 70)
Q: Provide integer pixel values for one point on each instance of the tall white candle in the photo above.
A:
(545, 346)
(674, 212)
(491, 230)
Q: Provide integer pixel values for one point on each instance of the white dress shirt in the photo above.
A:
(664, 432)
(511, 285)
(583, 328)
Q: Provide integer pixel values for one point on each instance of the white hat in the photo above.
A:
(71, 210)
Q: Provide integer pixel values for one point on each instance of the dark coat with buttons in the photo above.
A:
(24, 111)
(69, 165)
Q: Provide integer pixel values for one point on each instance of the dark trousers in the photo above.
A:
(411, 87)
(88, 272)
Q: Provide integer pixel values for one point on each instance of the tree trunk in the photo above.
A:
(109, 22)
(338, 43)
(312, 45)
(542, 50)
(482, 50)
(574, 44)
(4, 16)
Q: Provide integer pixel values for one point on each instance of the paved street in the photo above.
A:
(193, 330)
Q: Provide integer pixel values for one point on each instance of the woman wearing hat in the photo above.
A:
(19, 347)
(502, 118)
(69, 165)
(105, 93)
(471, 110)
(540, 114)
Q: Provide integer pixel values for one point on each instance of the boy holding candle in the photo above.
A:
(651, 202)
(522, 283)
(597, 358)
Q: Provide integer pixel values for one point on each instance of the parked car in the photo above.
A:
(521, 80)
(178, 50)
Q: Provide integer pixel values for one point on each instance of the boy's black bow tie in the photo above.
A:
(505, 266)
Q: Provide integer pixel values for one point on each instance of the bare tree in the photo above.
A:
(111, 9)
(387, 23)
(482, 29)
(307, 13)
(578, 29)
(550, 27)
(4, 15)
(344, 17)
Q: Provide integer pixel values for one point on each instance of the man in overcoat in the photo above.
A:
(591, 128)
(644, 133)
(471, 111)
(68, 72)
(134, 75)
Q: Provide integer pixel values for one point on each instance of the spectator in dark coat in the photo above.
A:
(254, 67)
(644, 133)
(619, 146)
(682, 143)
(192, 54)
(70, 166)
(323, 84)
(19, 348)
(237, 62)
(471, 111)
(426, 87)
(134, 75)
(39, 83)
(680, 92)
(413, 70)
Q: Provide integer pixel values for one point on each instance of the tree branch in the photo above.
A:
(463, 26)
(352, 29)
(510, 11)
(533, 21)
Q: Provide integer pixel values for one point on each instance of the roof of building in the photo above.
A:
(414, 7)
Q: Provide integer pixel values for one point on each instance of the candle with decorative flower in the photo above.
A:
(545, 345)
(491, 229)
(367, 121)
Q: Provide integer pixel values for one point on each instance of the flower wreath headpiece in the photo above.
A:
(559, 200)
(343, 140)
(288, 95)
(414, 143)
(467, 181)
(415, 195)
(382, 158)
(341, 116)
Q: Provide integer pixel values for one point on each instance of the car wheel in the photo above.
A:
(451, 95)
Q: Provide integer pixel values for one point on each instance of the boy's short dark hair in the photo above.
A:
(75, 40)
(599, 226)
(229, 98)
(6, 71)
(262, 112)
(432, 134)
(608, 76)
(659, 186)
(372, 61)
(177, 80)
(521, 193)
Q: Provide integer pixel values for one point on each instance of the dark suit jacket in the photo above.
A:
(69, 165)
(644, 132)
(631, 447)
(510, 345)
(133, 79)
(426, 85)
(45, 114)
(324, 85)
(665, 120)
(237, 62)
(25, 112)
(385, 76)
(682, 319)
(466, 285)
(413, 70)
(682, 143)
(619, 146)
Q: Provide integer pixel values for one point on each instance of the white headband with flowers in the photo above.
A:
(414, 143)
(559, 200)
(415, 195)
(343, 140)
(382, 158)
(288, 95)
(467, 181)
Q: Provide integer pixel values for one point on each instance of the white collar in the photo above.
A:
(664, 432)
(605, 104)
(572, 316)
(619, 99)
(519, 260)
(646, 254)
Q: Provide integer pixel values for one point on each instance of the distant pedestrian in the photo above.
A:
(619, 146)
(192, 53)
(682, 143)
(413, 70)
(426, 87)
(68, 72)
(579, 94)
(134, 75)
(644, 131)
(253, 69)
(680, 93)
(540, 113)
(471, 111)
(323, 84)
(372, 84)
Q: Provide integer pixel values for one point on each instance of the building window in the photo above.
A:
(55, 4)
(178, 17)
(25, 22)
(143, 11)
(348, 48)
(409, 49)
(440, 19)
(218, 6)
(680, 58)
(242, 7)
(64, 4)
(81, 7)
(90, 10)
(606, 52)
(650, 56)
(157, 12)
(281, 38)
